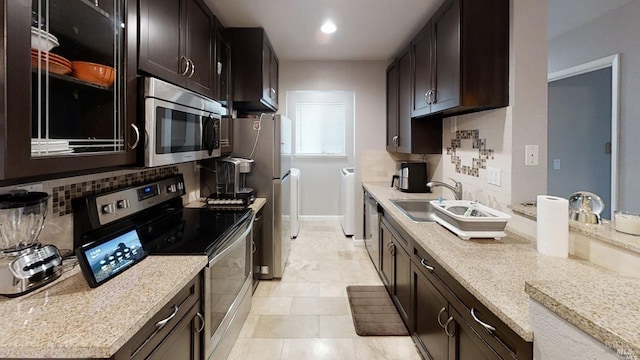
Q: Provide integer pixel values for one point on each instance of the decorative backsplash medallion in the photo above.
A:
(62, 195)
(477, 163)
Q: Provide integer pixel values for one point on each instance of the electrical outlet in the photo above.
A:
(556, 164)
(493, 176)
(531, 155)
(454, 124)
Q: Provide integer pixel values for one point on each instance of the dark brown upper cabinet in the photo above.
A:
(461, 59)
(222, 89)
(177, 43)
(255, 71)
(406, 134)
(53, 120)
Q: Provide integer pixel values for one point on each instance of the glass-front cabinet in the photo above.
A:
(69, 84)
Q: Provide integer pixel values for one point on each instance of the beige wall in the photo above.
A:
(367, 79)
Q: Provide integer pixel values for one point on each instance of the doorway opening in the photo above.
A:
(583, 131)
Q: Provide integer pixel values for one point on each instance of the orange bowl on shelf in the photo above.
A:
(94, 73)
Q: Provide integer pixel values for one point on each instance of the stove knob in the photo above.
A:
(108, 209)
(122, 204)
(181, 185)
(171, 188)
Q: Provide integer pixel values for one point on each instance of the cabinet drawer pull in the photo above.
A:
(160, 324)
(186, 69)
(440, 314)
(446, 327)
(424, 263)
(137, 131)
(198, 331)
(193, 69)
(488, 327)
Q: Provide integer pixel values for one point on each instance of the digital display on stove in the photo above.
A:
(147, 192)
(102, 260)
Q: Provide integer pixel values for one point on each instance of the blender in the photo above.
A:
(25, 265)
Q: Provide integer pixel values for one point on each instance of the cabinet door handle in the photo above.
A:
(424, 263)
(198, 331)
(273, 92)
(160, 324)
(186, 61)
(392, 249)
(488, 327)
(440, 314)
(446, 327)
(219, 68)
(137, 131)
(253, 247)
(193, 69)
(434, 97)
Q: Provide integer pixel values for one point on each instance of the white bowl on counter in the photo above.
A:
(626, 222)
(42, 40)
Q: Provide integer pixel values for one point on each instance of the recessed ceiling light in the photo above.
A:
(328, 27)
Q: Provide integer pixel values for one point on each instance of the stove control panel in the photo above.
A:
(121, 203)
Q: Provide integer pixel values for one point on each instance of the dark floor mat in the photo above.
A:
(373, 312)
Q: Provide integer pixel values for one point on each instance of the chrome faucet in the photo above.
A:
(457, 189)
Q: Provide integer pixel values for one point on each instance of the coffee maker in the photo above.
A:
(411, 177)
(231, 186)
(25, 264)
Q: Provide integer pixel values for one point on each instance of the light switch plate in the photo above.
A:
(531, 155)
(493, 176)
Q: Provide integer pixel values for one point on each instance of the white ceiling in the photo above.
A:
(367, 29)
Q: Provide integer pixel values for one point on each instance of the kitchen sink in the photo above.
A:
(416, 209)
(470, 219)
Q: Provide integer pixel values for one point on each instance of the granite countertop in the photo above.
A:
(595, 300)
(604, 232)
(68, 319)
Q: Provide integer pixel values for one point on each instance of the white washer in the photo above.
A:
(347, 201)
(295, 202)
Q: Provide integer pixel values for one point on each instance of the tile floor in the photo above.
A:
(306, 314)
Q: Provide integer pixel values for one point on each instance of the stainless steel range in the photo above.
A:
(167, 228)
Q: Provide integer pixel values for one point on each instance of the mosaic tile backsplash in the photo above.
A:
(479, 162)
(61, 195)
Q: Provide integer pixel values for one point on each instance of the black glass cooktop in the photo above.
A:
(191, 231)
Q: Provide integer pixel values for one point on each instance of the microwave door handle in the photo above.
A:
(209, 140)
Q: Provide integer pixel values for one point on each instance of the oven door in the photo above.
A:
(227, 276)
(177, 133)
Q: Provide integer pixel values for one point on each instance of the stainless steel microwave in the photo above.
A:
(179, 125)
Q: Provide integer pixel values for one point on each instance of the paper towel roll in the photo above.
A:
(553, 226)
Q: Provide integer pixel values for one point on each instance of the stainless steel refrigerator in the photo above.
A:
(267, 140)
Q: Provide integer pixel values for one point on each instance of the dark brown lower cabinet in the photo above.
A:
(184, 340)
(469, 345)
(395, 268)
(256, 248)
(175, 332)
(451, 324)
(429, 315)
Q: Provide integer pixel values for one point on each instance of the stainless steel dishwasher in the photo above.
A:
(371, 228)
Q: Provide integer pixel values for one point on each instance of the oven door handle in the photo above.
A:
(236, 241)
